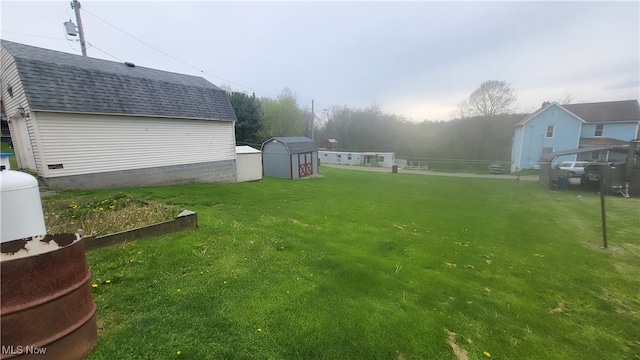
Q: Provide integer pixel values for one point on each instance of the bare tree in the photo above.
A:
(464, 110)
(567, 98)
(287, 93)
(493, 97)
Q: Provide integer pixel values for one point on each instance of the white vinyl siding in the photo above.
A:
(27, 155)
(11, 79)
(84, 143)
(385, 159)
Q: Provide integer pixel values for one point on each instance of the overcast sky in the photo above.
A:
(418, 59)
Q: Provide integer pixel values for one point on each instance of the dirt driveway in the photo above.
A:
(435, 173)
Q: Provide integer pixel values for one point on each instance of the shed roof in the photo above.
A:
(295, 144)
(245, 149)
(58, 81)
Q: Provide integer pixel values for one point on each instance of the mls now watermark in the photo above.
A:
(23, 350)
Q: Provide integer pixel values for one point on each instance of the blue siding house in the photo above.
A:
(556, 127)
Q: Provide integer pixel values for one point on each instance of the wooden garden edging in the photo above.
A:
(187, 220)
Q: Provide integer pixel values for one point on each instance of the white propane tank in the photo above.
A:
(21, 214)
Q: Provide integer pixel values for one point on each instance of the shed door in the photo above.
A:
(305, 164)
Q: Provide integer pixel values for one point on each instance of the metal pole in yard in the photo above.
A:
(602, 207)
(313, 117)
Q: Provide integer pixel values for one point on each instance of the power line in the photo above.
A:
(53, 38)
(171, 56)
(143, 42)
(40, 36)
(104, 52)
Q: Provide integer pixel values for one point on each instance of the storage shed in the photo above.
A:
(290, 157)
(248, 163)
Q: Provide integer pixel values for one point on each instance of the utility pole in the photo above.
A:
(313, 116)
(75, 5)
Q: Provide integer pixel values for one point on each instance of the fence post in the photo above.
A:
(602, 206)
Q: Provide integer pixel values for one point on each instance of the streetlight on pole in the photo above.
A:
(313, 118)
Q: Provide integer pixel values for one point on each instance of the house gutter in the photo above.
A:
(132, 115)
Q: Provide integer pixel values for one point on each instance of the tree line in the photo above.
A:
(483, 129)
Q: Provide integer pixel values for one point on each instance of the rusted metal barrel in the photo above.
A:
(47, 311)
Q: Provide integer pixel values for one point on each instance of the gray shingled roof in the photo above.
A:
(600, 141)
(601, 112)
(59, 81)
(296, 144)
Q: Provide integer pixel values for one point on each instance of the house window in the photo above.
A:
(549, 133)
(339, 156)
(599, 130)
(381, 158)
(349, 157)
(547, 150)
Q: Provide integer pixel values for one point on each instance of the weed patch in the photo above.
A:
(103, 215)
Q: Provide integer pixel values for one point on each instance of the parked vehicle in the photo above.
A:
(575, 168)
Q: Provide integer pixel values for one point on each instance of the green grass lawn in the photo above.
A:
(358, 265)
(13, 163)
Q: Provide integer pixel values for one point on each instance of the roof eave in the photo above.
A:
(540, 111)
(132, 115)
